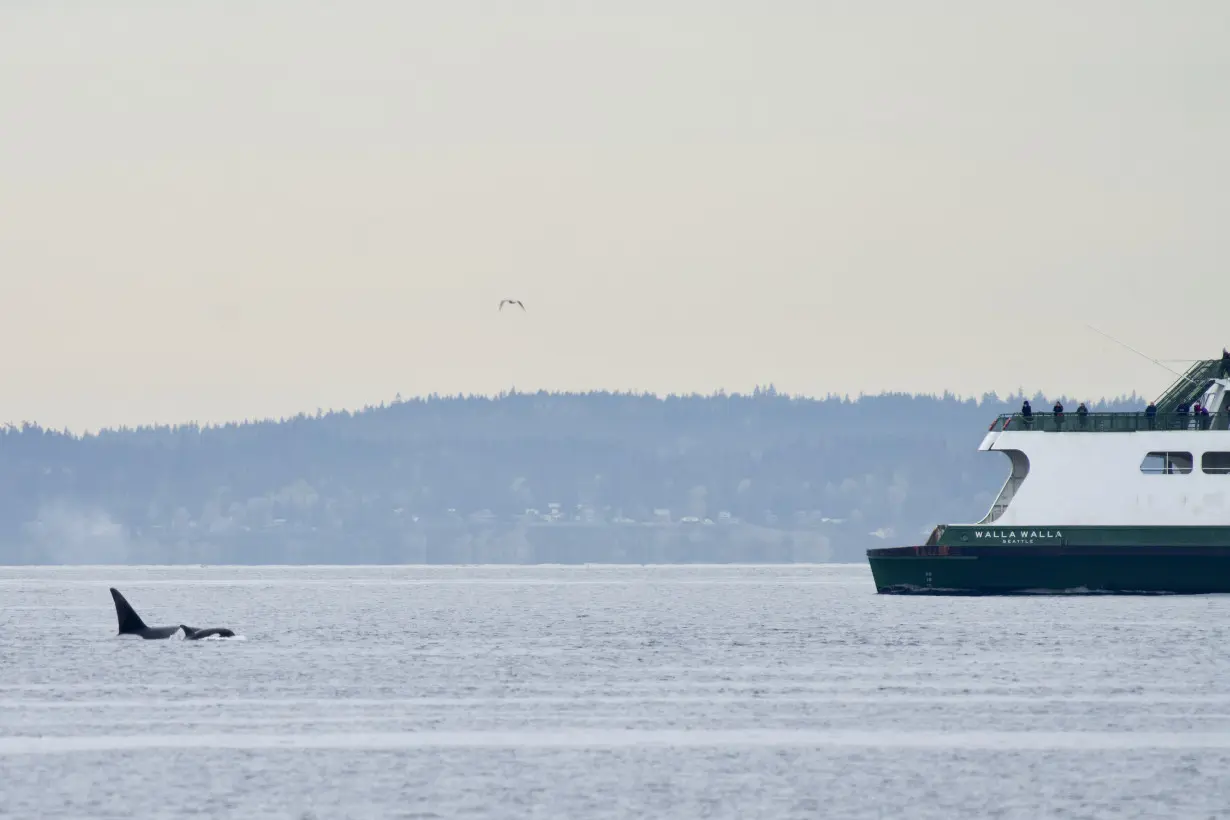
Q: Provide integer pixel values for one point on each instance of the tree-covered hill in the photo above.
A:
(518, 477)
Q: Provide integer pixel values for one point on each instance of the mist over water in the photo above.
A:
(608, 692)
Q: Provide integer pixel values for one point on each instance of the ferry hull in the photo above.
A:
(993, 570)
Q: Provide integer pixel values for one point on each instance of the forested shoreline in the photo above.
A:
(519, 478)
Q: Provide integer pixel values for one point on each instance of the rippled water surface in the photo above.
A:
(603, 692)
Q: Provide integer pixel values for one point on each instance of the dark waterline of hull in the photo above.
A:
(1051, 570)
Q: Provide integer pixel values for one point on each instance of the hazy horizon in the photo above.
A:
(215, 211)
(580, 478)
(988, 397)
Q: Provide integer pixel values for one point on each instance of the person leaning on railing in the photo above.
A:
(1201, 414)
(1082, 415)
(1151, 415)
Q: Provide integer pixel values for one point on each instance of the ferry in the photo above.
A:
(1126, 503)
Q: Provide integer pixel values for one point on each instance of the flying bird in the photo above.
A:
(516, 302)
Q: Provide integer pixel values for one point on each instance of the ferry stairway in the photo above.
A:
(1189, 388)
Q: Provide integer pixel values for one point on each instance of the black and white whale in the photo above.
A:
(193, 634)
(131, 624)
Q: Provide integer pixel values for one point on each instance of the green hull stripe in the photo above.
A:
(1052, 534)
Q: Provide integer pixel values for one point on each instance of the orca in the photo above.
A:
(131, 623)
(191, 634)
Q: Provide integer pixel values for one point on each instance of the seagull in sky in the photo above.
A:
(516, 302)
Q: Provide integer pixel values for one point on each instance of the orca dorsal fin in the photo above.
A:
(129, 620)
(188, 630)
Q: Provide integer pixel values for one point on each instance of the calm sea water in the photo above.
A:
(603, 692)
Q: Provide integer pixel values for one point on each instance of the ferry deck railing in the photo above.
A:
(1108, 422)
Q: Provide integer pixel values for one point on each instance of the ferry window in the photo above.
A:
(1167, 463)
(1215, 463)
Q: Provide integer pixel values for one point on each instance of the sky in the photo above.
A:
(223, 210)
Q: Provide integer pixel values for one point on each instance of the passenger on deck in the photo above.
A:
(1027, 413)
(1151, 414)
(1058, 411)
(1202, 416)
(1082, 413)
(1225, 363)
(1181, 412)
